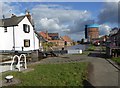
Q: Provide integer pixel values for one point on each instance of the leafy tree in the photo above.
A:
(47, 45)
(78, 42)
(82, 41)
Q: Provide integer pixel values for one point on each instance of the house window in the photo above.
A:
(26, 28)
(5, 29)
(26, 43)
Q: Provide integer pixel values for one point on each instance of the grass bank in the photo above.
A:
(67, 74)
(117, 60)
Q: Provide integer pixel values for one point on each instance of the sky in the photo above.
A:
(66, 18)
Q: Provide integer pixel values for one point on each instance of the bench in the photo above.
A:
(9, 78)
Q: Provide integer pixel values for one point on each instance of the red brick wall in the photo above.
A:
(93, 33)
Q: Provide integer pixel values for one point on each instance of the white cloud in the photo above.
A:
(54, 18)
(104, 29)
(111, 0)
(7, 10)
(52, 25)
(61, 13)
(58, 18)
(49, 24)
(63, 19)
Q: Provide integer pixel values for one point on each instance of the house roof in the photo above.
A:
(53, 34)
(93, 26)
(45, 35)
(56, 41)
(67, 38)
(13, 21)
(39, 36)
(114, 31)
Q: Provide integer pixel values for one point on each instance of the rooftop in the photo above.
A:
(93, 26)
(13, 21)
(66, 38)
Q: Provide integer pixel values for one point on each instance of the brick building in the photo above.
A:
(115, 37)
(91, 32)
(113, 44)
(67, 40)
(53, 38)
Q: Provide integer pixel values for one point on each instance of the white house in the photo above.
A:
(17, 33)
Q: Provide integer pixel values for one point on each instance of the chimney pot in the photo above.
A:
(13, 15)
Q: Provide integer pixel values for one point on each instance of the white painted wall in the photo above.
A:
(6, 39)
(36, 42)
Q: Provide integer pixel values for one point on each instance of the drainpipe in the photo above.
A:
(34, 38)
(13, 39)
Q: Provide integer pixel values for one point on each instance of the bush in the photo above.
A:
(117, 60)
(91, 48)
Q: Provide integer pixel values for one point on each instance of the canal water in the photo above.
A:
(77, 47)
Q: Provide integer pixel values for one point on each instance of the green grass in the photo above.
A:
(103, 48)
(117, 60)
(68, 74)
(0, 76)
(86, 52)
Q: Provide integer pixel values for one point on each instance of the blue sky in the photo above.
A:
(67, 18)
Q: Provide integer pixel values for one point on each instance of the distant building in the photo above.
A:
(67, 40)
(104, 38)
(115, 37)
(59, 43)
(54, 36)
(45, 35)
(91, 32)
(113, 44)
(56, 39)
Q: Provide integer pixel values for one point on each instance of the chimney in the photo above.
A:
(13, 15)
(46, 34)
(29, 17)
(86, 33)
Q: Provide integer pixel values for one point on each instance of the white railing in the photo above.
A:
(18, 63)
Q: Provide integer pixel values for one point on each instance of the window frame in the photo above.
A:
(25, 41)
(26, 28)
(5, 29)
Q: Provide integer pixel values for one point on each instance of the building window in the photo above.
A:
(26, 28)
(65, 43)
(26, 43)
(5, 29)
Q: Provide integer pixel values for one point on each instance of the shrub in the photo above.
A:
(91, 48)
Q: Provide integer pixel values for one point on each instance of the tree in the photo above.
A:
(47, 45)
(82, 41)
(78, 42)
